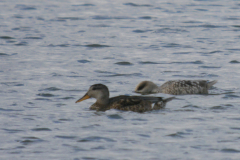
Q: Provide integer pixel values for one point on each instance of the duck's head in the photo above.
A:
(97, 91)
(146, 87)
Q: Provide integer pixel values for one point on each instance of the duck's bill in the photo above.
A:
(83, 98)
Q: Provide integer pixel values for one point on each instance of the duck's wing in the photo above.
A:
(133, 103)
(187, 87)
(201, 84)
(135, 99)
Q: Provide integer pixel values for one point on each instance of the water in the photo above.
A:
(51, 52)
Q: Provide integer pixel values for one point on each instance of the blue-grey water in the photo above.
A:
(52, 51)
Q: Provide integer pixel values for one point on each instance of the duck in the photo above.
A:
(176, 87)
(123, 102)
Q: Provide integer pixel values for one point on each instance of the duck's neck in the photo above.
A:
(102, 102)
(156, 89)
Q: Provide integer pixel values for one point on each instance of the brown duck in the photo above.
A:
(123, 102)
(177, 87)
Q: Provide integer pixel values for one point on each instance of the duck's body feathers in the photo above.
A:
(131, 103)
(177, 87)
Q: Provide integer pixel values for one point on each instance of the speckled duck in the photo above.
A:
(123, 102)
(177, 87)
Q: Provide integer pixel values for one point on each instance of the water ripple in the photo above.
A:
(99, 25)
(235, 128)
(170, 30)
(21, 44)
(42, 99)
(30, 140)
(91, 126)
(25, 7)
(237, 26)
(186, 76)
(12, 84)
(124, 75)
(211, 26)
(206, 26)
(10, 110)
(84, 61)
(140, 31)
(4, 54)
(65, 120)
(69, 18)
(41, 129)
(149, 62)
(145, 17)
(234, 62)
(50, 89)
(124, 63)
(45, 95)
(137, 5)
(172, 45)
(194, 62)
(144, 135)
(33, 38)
(98, 148)
(192, 21)
(96, 45)
(85, 5)
(178, 135)
(114, 116)
(209, 67)
(98, 17)
(181, 52)
(191, 106)
(230, 150)
(59, 45)
(201, 9)
(233, 49)
(221, 107)
(107, 72)
(66, 137)
(13, 130)
(56, 74)
(18, 16)
(96, 139)
(6, 37)
(230, 96)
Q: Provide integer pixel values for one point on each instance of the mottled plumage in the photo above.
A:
(178, 87)
(123, 102)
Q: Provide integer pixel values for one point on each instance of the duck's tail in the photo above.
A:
(211, 83)
(161, 104)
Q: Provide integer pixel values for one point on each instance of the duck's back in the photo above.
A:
(186, 87)
(130, 103)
